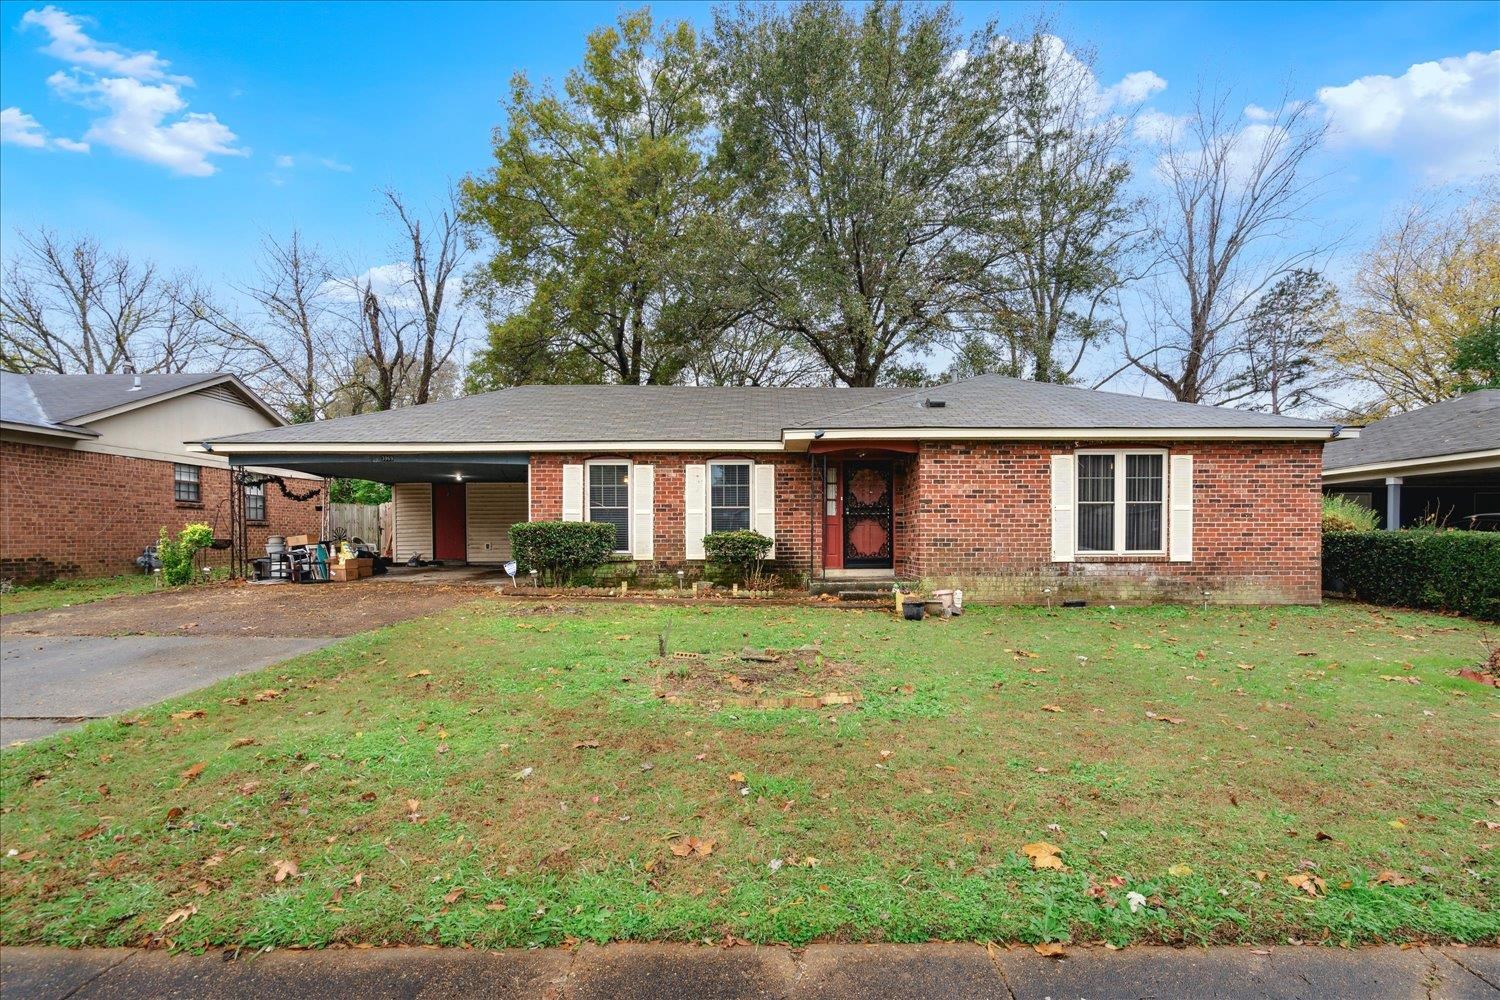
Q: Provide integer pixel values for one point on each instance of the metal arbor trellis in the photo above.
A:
(239, 528)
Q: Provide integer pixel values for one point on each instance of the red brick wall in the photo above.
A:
(83, 513)
(979, 515)
(794, 501)
(984, 518)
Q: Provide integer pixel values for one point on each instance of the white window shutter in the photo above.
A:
(643, 510)
(1180, 491)
(1063, 522)
(572, 498)
(763, 502)
(695, 509)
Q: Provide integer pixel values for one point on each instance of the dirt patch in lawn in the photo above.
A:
(281, 610)
(756, 678)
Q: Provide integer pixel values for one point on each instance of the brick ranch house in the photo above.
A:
(998, 485)
(93, 466)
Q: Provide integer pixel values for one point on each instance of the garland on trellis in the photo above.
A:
(258, 479)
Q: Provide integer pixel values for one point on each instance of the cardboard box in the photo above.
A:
(293, 541)
(339, 573)
(365, 566)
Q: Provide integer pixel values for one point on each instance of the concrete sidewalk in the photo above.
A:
(667, 972)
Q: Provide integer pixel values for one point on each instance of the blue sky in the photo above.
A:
(254, 118)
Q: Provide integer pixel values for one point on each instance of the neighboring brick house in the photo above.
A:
(1012, 490)
(93, 466)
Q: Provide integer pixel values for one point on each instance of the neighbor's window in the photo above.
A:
(729, 496)
(1121, 501)
(609, 499)
(255, 502)
(185, 487)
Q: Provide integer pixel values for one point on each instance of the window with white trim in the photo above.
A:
(1122, 502)
(728, 496)
(255, 501)
(186, 487)
(609, 499)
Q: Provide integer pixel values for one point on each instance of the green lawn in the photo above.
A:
(499, 776)
(62, 593)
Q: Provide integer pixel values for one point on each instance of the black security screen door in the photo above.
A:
(867, 515)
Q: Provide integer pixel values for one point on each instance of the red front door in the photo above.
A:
(449, 543)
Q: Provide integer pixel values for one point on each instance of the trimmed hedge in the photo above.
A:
(558, 549)
(742, 553)
(1417, 568)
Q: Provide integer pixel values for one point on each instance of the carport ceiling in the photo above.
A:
(412, 468)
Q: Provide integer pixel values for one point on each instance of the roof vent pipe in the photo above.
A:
(934, 404)
(135, 386)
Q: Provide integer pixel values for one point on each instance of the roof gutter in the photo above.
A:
(1468, 461)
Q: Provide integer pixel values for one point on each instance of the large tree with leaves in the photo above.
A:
(867, 149)
(1431, 280)
(1068, 227)
(598, 206)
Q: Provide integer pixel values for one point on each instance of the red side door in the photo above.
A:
(449, 542)
(833, 519)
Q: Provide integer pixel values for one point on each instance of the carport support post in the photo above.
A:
(1392, 503)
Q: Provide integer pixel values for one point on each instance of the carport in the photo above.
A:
(454, 507)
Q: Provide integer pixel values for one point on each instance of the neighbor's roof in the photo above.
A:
(1461, 426)
(49, 401)
(20, 408)
(562, 414)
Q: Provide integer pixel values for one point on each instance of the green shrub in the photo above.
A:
(558, 549)
(176, 554)
(1342, 514)
(1444, 570)
(740, 553)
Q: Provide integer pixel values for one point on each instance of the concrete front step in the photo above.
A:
(862, 589)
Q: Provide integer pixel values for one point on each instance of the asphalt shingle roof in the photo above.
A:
(567, 413)
(19, 405)
(1468, 423)
(68, 397)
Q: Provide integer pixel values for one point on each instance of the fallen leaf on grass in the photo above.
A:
(269, 694)
(1397, 824)
(1180, 870)
(1051, 708)
(1048, 949)
(420, 673)
(1135, 900)
(177, 917)
(496, 906)
(1043, 855)
(738, 777)
(190, 773)
(244, 741)
(1401, 678)
(91, 832)
(190, 713)
(451, 896)
(693, 846)
(1173, 720)
(586, 745)
(1392, 878)
(1308, 883)
(285, 869)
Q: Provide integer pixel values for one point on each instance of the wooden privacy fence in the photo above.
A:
(359, 520)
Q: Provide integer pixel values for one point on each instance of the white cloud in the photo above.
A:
(392, 283)
(141, 112)
(1256, 113)
(285, 162)
(20, 129)
(72, 45)
(135, 122)
(1158, 127)
(1135, 87)
(1443, 116)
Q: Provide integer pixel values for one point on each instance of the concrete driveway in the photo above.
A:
(50, 682)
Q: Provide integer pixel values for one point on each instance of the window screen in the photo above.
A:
(729, 497)
(609, 500)
(1143, 496)
(185, 485)
(255, 502)
(1096, 503)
